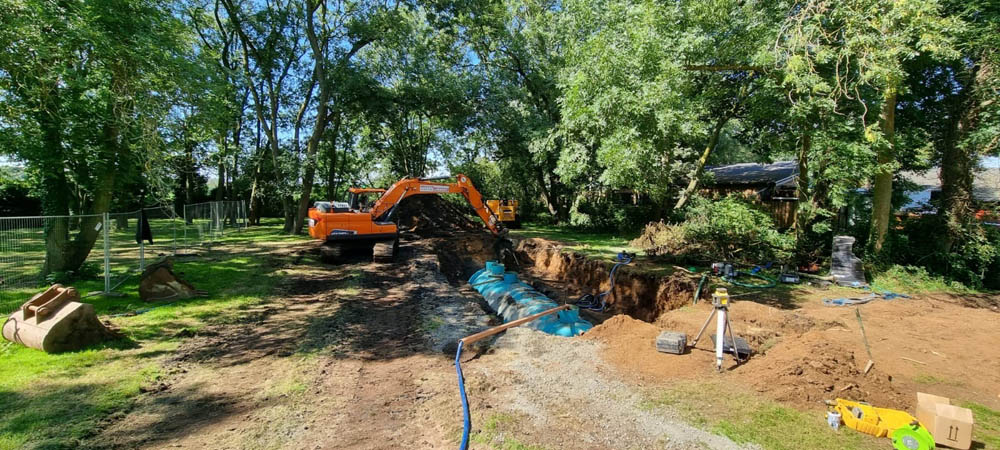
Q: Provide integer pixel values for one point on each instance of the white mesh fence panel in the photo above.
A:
(24, 252)
(114, 254)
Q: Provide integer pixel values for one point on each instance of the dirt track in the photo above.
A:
(355, 356)
(360, 356)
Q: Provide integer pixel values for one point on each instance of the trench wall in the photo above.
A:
(640, 295)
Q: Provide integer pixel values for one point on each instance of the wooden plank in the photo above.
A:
(490, 332)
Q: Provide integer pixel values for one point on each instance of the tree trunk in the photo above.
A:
(312, 155)
(331, 174)
(254, 213)
(55, 200)
(713, 141)
(63, 253)
(959, 160)
(220, 190)
(882, 195)
(548, 199)
(802, 187)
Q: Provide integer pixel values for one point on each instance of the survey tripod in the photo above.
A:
(720, 310)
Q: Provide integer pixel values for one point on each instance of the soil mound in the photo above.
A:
(811, 368)
(430, 215)
(630, 344)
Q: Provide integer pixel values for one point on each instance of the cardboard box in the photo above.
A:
(950, 425)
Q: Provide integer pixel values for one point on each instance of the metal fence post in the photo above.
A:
(142, 241)
(107, 253)
(173, 232)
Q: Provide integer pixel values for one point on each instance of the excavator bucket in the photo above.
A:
(159, 282)
(55, 321)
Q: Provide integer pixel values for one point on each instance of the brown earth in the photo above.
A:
(805, 352)
(350, 356)
(324, 365)
(636, 294)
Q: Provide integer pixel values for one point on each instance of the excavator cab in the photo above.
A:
(362, 224)
(363, 199)
(506, 211)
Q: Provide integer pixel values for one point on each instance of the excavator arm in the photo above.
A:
(422, 186)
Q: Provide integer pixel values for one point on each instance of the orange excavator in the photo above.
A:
(366, 222)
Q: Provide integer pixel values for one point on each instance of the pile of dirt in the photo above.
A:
(630, 344)
(640, 295)
(811, 368)
(803, 370)
(431, 215)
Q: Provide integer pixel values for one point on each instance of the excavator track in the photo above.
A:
(331, 253)
(385, 252)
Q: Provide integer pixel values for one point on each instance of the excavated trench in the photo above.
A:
(640, 295)
(564, 276)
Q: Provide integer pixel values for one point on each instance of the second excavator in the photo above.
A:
(365, 224)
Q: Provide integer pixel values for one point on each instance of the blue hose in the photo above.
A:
(465, 400)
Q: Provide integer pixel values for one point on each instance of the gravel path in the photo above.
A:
(563, 388)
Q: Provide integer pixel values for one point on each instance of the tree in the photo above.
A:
(972, 111)
(863, 45)
(520, 48)
(80, 80)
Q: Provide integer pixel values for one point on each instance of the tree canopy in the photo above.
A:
(559, 104)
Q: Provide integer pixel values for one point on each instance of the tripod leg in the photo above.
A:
(702, 331)
(732, 335)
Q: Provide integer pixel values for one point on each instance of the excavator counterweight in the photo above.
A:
(361, 225)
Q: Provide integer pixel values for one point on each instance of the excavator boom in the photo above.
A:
(417, 186)
(345, 227)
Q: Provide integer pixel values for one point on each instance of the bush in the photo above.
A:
(973, 261)
(87, 271)
(729, 229)
(600, 213)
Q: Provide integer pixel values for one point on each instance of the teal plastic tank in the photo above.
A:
(513, 299)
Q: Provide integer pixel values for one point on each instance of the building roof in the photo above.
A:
(985, 186)
(781, 173)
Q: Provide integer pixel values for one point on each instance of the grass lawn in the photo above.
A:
(593, 244)
(748, 418)
(55, 401)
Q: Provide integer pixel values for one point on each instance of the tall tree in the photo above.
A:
(271, 46)
(864, 45)
(81, 81)
(335, 35)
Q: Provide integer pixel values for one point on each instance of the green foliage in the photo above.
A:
(729, 229)
(601, 212)
(973, 261)
(87, 271)
(18, 195)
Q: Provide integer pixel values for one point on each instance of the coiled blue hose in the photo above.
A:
(467, 425)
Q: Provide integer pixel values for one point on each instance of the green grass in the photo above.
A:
(58, 400)
(987, 425)
(593, 244)
(496, 432)
(915, 280)
(746, 418)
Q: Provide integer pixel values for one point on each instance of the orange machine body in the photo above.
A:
(356, 221)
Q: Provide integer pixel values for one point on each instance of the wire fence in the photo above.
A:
(29, 244)
(207, 223)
